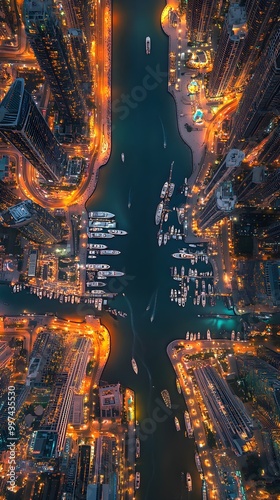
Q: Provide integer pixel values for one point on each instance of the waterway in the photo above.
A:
(140, 126)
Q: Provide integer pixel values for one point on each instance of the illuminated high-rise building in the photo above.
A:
(229, 163)
(51, 49)
(247, 188)
(270, 152)
(261, 18)
(33, 221)
(78, 15)
(229, 49)
(221, 204)
(261, 99)
(22, 124)
(79, 52)
(199, 17)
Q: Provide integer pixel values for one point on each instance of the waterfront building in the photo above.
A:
(79, 52)
(260, 101)
(228, 164)
(199, 18)
(229, 50)
(33, 221)
(228, 415)
(22, 124)
(45, 359)
(50, 45)
(220, 205)
(111, 401)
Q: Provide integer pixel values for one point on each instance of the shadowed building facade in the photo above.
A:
(50, 45)
(22, 124)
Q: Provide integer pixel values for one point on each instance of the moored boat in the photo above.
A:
(109, 252)
(178, 386)
(100, 235)
(137, 446)
(164, 190)
(197, 462)
(188, 424)
(171, 189)
(166, 398)
(110, 272)
(189, 481)
(159, 213)
(96, 246)
(181, 255)
(177, 424)
(118, 232)
(100, 215)
(134, 366)
(148, 45)
(137, 480)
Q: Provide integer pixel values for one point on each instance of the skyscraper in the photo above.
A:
(229, 50)
(261, 99)
(78, 47)
(230, 162)
(247, 189)
(33, 221)
(221, 203)
(270, 151)
(261, 18)
(199, 16)
(46, 38)
(22, 124)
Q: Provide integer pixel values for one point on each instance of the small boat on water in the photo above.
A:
(109, 252)
(166, 398)
(197, 462)
(102, 274)
(100, 215)
(137, 447)
(164, 190)
(118, 232)
(171, 189)
(137, 480)
(178, 386)
(100, 235)
(181, 255)
(159, 213)
(92, 284)
(177, 424)
(134, 366)
(148, 45)
(189, 481)
(188, 424)
(122, 157)
(96, 246)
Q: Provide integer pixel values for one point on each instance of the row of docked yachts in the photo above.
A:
(50, 294)
(101, 225)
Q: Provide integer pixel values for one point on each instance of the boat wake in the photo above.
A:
(163, 133)
(150, 302)
(154, 309)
